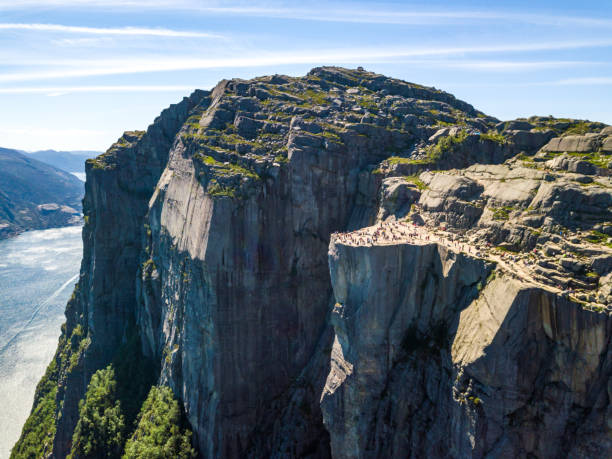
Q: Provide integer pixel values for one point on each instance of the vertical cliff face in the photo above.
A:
(393, 320)
(119, 184)
(238, 298)
(430, 361)
(212, 265)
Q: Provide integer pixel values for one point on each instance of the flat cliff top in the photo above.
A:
(535, 192)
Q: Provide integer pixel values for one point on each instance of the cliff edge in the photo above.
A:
(339, 265)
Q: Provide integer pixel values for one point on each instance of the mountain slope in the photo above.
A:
(69, 161)
(339, 265)
(35, 195)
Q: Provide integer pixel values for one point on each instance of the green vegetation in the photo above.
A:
(494, 136)
(330, 135)
(399, 160)
(565, 126)
(235, 139)
(100, 431)
(161, 431)
(489, 278)
(78, 343)
(113, 400)
(148, 265)
(416, 181)
(503, 248)
(502, 213)
(583, 127)
(445, 145)
(597, 237)
(37, 435)
(596, 158)
(216, 189)
(281, 159)
(368, 103)
(317, 97)
(224, 169)
(97, 163)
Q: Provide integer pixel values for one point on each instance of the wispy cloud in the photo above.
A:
(134, 31)
(589, 81)
(62, 90)
(414, 17)
(100, 67)
(327, 12)
(500, 66)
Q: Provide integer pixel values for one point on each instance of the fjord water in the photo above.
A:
(38, 270)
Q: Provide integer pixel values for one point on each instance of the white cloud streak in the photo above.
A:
(62, 90)
(377, 16)
(100, 67)
(325, 12)
(587, 81)
(120, 31)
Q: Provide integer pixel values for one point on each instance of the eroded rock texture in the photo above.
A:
(426, 365)
(217, 240)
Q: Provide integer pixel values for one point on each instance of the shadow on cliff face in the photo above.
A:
(541, 383)
(426, 363)
(390, 385)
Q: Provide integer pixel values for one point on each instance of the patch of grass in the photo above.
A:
(494, 136)
(330, 135)
(316, 97)
(597, 237)
(502, 213)
(368, 103)
(228, 169)
(582, 127)
(216, 189)
(595, 158)
(281, 159)
(444, 145)
(416, 181)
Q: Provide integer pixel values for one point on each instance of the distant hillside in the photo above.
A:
(35, 195)
(70, 161)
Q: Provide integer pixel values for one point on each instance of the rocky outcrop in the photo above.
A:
(34, 195)
(207, 241)
(430, 360)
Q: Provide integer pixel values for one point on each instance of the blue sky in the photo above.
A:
(75, 74)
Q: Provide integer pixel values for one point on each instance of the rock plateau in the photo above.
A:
(347, 265)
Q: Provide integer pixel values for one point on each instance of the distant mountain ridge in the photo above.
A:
(69, 161)
(35, 195)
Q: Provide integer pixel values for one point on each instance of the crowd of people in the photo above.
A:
(388, 232)
(404, 231)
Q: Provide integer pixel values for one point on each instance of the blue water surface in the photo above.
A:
(38, 270)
